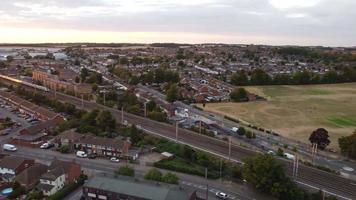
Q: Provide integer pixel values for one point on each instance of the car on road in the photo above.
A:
(47, 145)
(9, 147)
(270, 152)
(81, 154)
(234, 129)
(6, 131)
(221, 195)
(92, 156)
(289, 156)
(114, 159)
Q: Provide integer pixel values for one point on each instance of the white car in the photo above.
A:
(113, 159)
(270, 152)
(221, 195)
(81, 154)
(9, 147)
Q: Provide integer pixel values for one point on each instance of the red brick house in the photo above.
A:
(10, 166)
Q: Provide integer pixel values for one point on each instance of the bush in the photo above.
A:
(153, 174)
(170, 178)
(64, 149)
(125, 171)
(280, 152)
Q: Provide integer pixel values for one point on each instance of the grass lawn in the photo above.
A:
(295, 111)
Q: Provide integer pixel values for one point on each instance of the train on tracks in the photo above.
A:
(21, 82)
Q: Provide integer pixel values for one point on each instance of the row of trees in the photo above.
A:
(260, 77)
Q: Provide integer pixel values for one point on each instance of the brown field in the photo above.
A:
(295, 111)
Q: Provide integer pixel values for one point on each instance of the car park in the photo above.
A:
(221, 195)
(114, 159)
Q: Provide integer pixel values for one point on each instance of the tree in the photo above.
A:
(241, 131)
(84, 73)
(170, 178)
(77, 79)
(9, 58)
(239, 95)
(266, 174)
(106, 121)
(239, 78)
(151, 105)
(320, 137)
(153, 174)
(260, 77)
(125, 171)
(280, 152)
(172, 93)
(302, 77)
(347, 145)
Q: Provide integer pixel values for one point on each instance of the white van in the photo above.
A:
(9, 147)
(81, 154)
(289, 156)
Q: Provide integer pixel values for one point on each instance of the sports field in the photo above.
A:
(295, 111)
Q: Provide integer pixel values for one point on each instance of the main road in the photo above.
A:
(310, 177)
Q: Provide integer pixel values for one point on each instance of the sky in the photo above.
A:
(274, 22)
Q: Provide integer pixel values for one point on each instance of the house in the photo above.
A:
(95, 145)
(29, 177)
(52, 181)
(109, 188)
(104, 146)
(59, 173)
(10, 166)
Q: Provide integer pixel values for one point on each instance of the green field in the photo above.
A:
(295, 111)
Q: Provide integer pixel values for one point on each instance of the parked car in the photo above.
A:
(114, 159)
(9, 147)
(81, 154)
(92, 156)
(289, 156)
(47, 145)
(221, 195)
(270, 152)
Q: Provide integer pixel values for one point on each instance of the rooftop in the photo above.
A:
(139, 188)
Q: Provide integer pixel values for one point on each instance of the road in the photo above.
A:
(336, 185)
(105, 166)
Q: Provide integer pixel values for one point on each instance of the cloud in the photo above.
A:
(328, 22)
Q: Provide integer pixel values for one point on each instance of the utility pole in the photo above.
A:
(220, 169)
(82, 101)
(55, 92)
(207, 184)
(177, 131)
(314, 151)
(145, 109)
(122, 115)
(229, 148)
(199, 126)
(295, 166)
